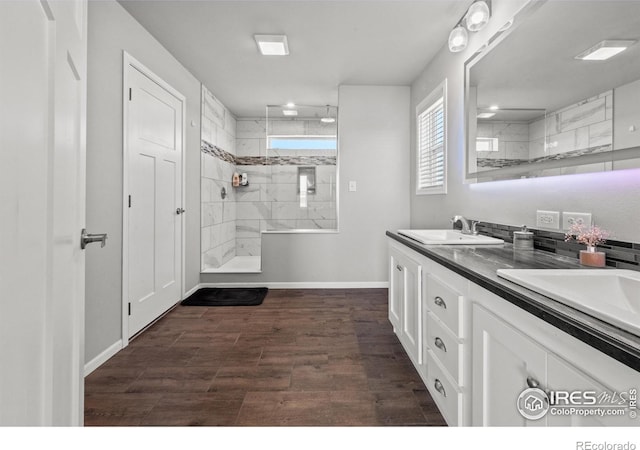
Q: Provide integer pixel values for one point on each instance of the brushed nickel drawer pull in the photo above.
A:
(438, 301)
(439, 387)
(438, 343)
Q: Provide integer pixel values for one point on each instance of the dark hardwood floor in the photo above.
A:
(302, 358)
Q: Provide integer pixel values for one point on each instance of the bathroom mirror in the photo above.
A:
(534, 105)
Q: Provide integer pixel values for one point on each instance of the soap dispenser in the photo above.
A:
(523, 239)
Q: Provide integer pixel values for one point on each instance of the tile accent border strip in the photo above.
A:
(219, 153)
(619, 254)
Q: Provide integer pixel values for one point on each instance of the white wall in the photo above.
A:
(112, 30)
(612, 197)
(373, 132)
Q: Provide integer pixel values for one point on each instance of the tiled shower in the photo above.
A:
(273, 200)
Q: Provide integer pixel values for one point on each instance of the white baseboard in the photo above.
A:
(102, 357)
(191, 291)
(304, 285)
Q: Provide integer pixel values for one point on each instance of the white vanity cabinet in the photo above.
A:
(405, 306)
(428, 312)
(476, 352)
(513, 350)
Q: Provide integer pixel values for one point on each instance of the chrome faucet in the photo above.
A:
(468, 226)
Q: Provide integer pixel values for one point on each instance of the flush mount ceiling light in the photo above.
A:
(289, 112)
(605, 50)
(272, 45)
(458, 39)
(477, 16)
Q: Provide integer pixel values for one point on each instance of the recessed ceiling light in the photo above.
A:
(605, 50)
(290, 105)
(485, 115)
(289, 112)
(272, 45)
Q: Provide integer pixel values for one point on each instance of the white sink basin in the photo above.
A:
(448, 237)
(610, 295)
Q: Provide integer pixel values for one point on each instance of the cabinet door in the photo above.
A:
(405, 307)
(503, 359)
(562, 376)
(411, 336)
(396, 289)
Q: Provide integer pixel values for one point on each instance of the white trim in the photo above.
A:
(439, 91)
(102, 357)
(190, 291)
(128, 60)
(304, 285)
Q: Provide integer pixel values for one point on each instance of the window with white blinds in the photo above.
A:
(431, 144)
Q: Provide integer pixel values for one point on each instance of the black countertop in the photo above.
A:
(479, 264)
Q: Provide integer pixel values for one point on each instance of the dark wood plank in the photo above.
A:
(305, 357)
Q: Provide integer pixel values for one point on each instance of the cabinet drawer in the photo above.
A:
(445, 346)
(446, 303)
(446, 395)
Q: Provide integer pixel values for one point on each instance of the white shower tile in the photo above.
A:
(251, 193)
(253, 210)
(251, 128)
(248, 146)
(248, 229)
(321, 210)
(288, 211)
(248, 247)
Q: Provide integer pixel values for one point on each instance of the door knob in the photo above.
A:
(179, 211)
(86, 238)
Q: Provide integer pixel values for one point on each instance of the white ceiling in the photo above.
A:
(331, 42)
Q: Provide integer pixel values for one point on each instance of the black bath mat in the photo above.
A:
(226, 297)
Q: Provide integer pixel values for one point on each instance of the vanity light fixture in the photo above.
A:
(458, 39)
(475, 19)
(290, 105)
(272, 44)
(289, 112)
(605, 50)
(478, 16)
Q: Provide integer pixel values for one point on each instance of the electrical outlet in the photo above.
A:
(548, 219)
(569, 218)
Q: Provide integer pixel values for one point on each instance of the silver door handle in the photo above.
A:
(86, 238)
(179, 211)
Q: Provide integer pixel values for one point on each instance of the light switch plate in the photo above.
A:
(548, 219)
(352, 186)
(569, 218)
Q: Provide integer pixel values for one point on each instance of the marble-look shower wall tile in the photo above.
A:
(284, 174)
(256, 174)
(251, 193)
(253, 210)
(248, 247)
(321, 210)
(288, 211)
(212, 258)
(247, 147)
(582, 115)
(517, 150)
(511, 132)
(211, 213)
(248, 228)
(229, 211)
(228, 251)
(273, 224)
(279, 192)
(286, 127)
(326, 174)
(251, 128)
(601, 134)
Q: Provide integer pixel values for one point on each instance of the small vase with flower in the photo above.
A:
(591, 237)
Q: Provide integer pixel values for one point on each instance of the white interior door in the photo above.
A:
(154, 123)
(43, 49)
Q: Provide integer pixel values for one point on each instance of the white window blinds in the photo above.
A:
(431, 145)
